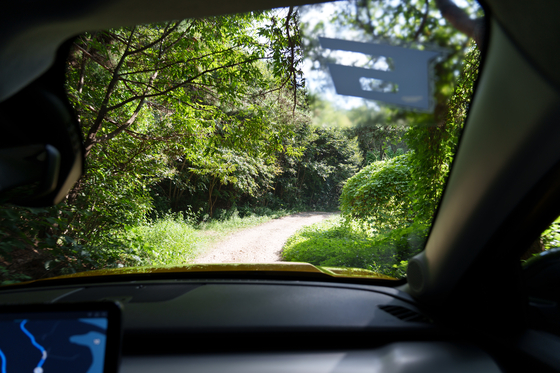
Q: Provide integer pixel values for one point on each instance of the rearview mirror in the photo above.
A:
(41, 153)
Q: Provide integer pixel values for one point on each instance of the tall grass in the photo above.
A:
(169, 240)
(177, 239)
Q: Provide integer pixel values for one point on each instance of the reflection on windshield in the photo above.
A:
(200, 128)
(407, 84)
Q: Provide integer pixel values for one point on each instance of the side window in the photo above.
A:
(541, 280)
(549, 239)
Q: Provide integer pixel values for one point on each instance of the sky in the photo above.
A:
(319, 82)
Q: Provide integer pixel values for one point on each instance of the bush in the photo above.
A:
(334, 243)
(37, 243)
(380, 194)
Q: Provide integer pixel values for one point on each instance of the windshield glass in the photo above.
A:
(335, 124)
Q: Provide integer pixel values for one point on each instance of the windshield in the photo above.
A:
(333, 126)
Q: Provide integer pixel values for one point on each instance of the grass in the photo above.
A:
(234, 222)
(176, 240)
(167, 241)
(334, 243)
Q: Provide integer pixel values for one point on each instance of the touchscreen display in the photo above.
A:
(53, 340)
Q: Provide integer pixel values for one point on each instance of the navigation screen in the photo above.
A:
(54, 341)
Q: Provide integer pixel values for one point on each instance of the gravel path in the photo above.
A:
(261, 244)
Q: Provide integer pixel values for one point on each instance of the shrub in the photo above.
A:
(334, 243)
(380, 194)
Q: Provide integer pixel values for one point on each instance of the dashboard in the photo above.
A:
(220, 325)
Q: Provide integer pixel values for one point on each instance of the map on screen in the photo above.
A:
(58, 343)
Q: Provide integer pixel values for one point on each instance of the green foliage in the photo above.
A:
(379, 133)
(308, 172)
(551, 236)
(435, 146)
(336, 243)
(35, 243)
(170, 240)
(177, 238)
(151, 99)
(314, 179)
(387, 205)
(208, 115)
(379, 194)
(18, 230)
(385, 131)
(39, 242)
(325, 114)
(242, 173)
(222, 173)
(203, 92)
(390, 203)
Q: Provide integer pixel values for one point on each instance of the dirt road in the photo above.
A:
(261, 244)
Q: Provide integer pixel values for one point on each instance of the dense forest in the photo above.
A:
(200, 120)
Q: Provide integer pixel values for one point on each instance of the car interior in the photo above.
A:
(467, 303)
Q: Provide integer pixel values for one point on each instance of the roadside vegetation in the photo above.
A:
(196, 128)
(387, 207)
(177, 239)
(338, 243)
(170, 239)
(189, 127)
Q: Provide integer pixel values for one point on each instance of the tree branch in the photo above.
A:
(473, 28)
(130, 120)
(291, 69)
(152, 70)
(176, 86)
(92, 57)
(262, 94)
(158, 40)
(179, 37)
(144, 137)
(91, 136)
(367, 26)
(423, 23)
(179, 62)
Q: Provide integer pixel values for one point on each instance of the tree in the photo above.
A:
(413, 23)
(472, 27)
(149, 95)
(186, 72)
(379, 133)
(315, 177)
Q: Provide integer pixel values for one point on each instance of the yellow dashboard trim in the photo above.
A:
(230, 267)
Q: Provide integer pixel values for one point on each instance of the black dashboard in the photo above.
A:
(217, 325)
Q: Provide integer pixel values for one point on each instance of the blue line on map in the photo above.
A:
(43, 351)
(3, 361)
